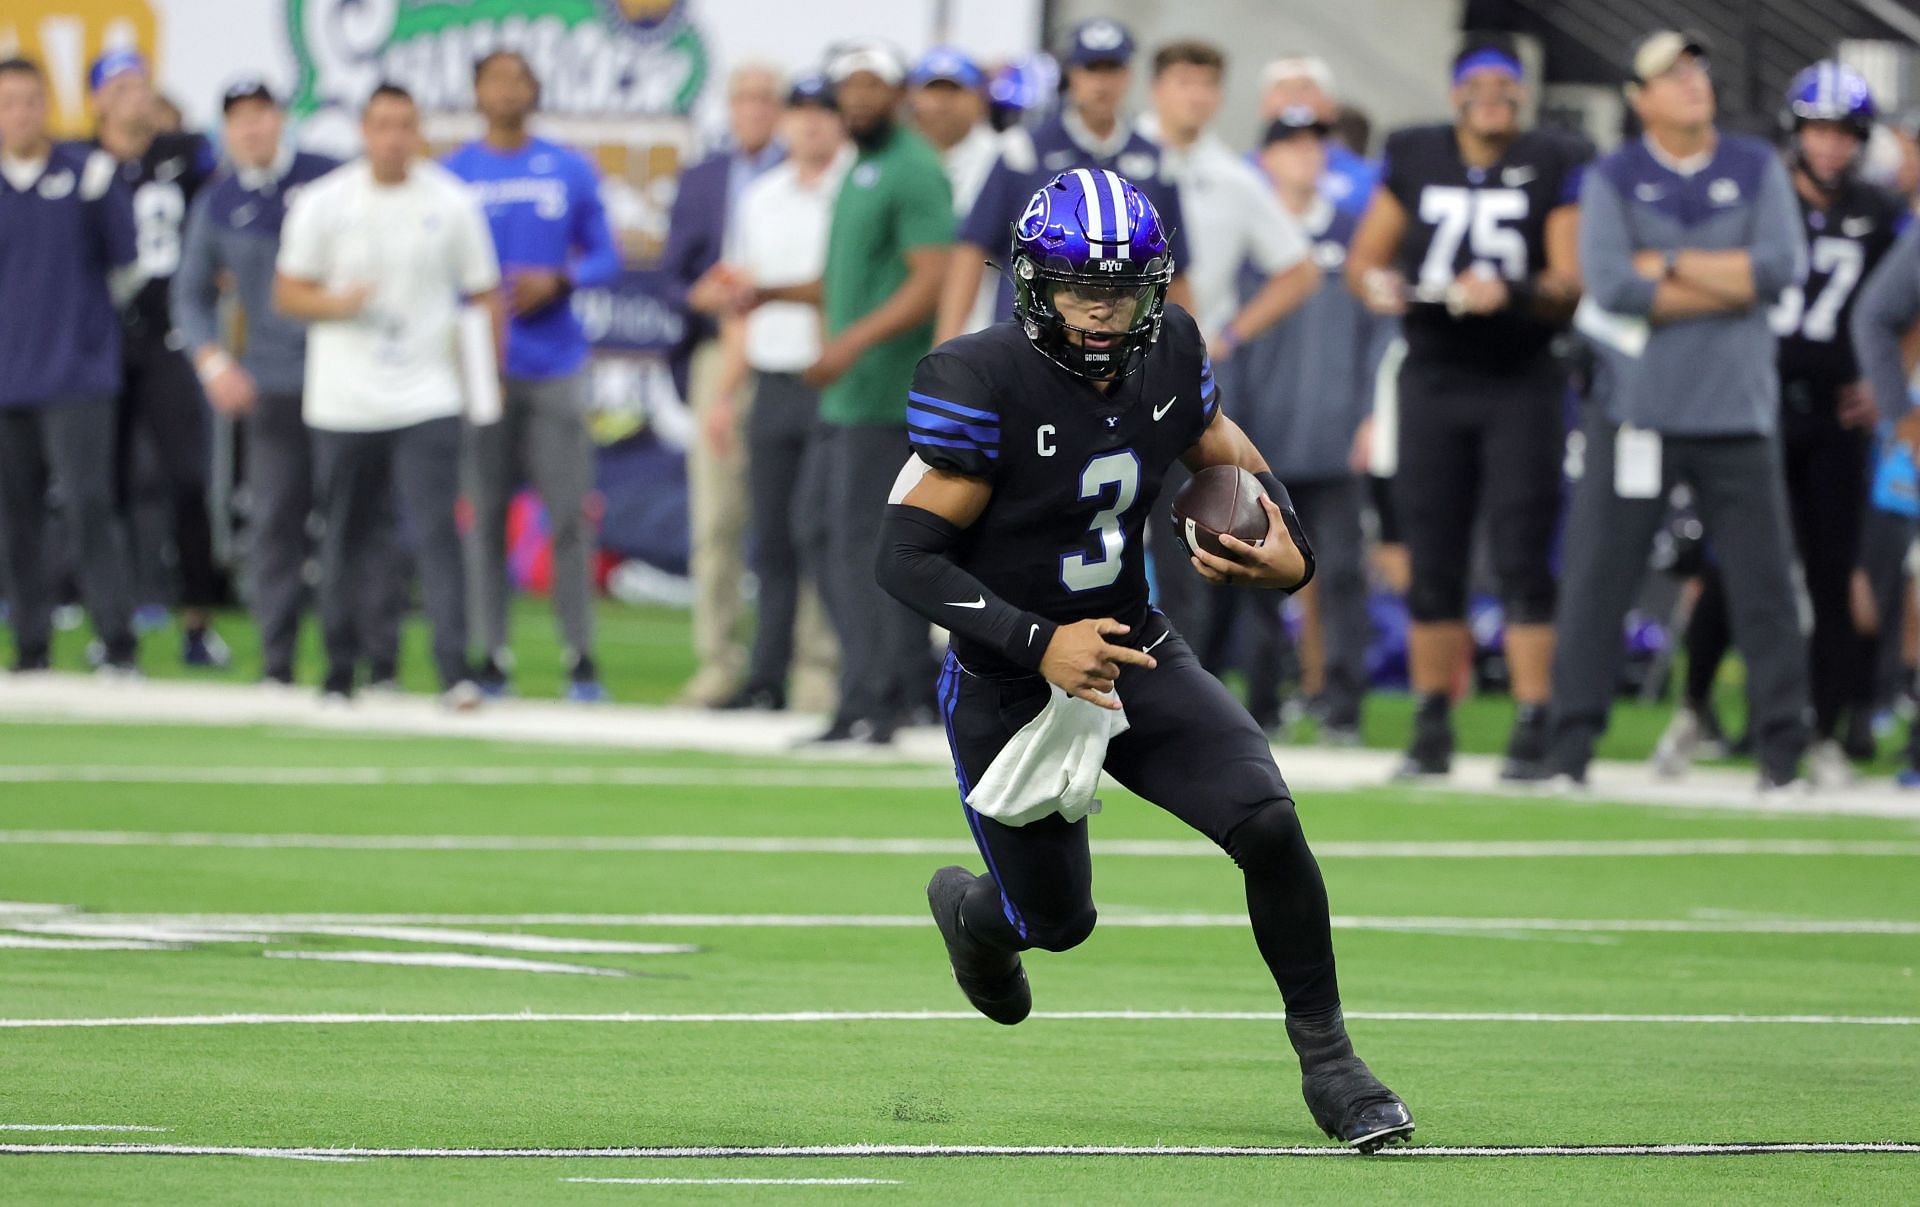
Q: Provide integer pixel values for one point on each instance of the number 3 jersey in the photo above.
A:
(1074, 472)
(1493, 219)
(161, 184)
(1845, 239)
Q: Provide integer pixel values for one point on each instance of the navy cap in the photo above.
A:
(246, 88)
(1101, 40)
(948, 63)
(810, 90)
(118, 61)
(1293, 121)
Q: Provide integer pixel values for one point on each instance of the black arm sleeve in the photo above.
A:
(1284, 501)
(916, 568)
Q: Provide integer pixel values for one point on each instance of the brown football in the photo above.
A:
(1220, 498)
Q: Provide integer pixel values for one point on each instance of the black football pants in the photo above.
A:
(1191, 750)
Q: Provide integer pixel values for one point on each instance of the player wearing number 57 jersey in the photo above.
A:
(1472, 236)
(1018, 524)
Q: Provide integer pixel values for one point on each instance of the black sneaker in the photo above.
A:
(994, 981)
(337, 687)
(27, 662)
(1858, 741)
(583, 681)
(754, 699)
(1527, 745)
(838, 733)
(1349, 1103)
(491, 677)
(1431, 753)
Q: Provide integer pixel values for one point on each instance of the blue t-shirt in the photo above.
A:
(543, 205)
(59, 238)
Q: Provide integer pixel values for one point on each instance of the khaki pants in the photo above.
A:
(717, 500)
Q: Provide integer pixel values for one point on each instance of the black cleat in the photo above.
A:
(993, 981)
(1352, 1106)
(1527, 746)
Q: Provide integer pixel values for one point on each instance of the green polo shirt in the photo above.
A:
(895, 199)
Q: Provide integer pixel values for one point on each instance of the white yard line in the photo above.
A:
(445, 959)
(1736, 1148)
(39, 943)
(736, 1181)
(1143, 848)
(409, 927)
(79, 1127)
(364, 777)
(946, 1016)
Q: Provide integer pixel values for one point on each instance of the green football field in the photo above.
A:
(241, 964)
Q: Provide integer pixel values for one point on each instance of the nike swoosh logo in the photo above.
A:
(1164, 407)
(978, 602)
(1514, 177)
(1147, 649)
(1033, 630)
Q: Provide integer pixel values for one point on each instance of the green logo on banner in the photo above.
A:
(595, 58)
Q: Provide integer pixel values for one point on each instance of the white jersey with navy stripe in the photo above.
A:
(1074, 472)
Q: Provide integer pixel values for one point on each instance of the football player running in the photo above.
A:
(1018, 524)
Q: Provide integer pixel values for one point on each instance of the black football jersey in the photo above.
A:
(162, 184)
(1460, 216)
(1844, 241)
(1075, 472)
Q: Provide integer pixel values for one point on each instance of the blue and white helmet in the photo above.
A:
(1829, 92)
(1090, 231)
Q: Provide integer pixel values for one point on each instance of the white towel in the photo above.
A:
(1052, 765)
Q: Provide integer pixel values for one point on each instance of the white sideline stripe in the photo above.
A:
(974, 1150)
(606, 777)
(80, 1127)
(167, 930)
(216, 926)
(727, 844)
(738, 1181)
(37, 943)
(444, 959)
(947, 1016)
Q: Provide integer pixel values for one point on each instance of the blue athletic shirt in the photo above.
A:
(543, 205)
(59, 238)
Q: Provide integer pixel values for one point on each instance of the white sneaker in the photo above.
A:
(1679, 745)
(1828, 766)
(464, 696)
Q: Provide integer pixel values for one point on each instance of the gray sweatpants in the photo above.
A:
(69, 443)
(886, 656)
(542, 439)
(784, 480)
(1739, 489)
(280, 490)
(359, 472)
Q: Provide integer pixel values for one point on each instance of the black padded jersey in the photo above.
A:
(1459, 216)
(1845, 239)
(161, 184)
(1075, 473)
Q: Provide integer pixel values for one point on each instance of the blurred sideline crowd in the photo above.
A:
(1487, 361)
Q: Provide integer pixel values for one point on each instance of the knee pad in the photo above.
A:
(1268, 840)
(1060, 934)
(1437, 599)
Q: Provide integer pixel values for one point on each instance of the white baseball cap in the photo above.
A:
(877, 57)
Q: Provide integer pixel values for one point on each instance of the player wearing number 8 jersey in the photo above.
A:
(1039, 446)
(1472, 237)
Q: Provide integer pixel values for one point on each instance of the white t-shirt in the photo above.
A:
(780, 238)
(424, 246)
(968, 162)
(1233, 219)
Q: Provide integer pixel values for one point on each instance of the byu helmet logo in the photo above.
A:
(1035, 219)
(1101, 35)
